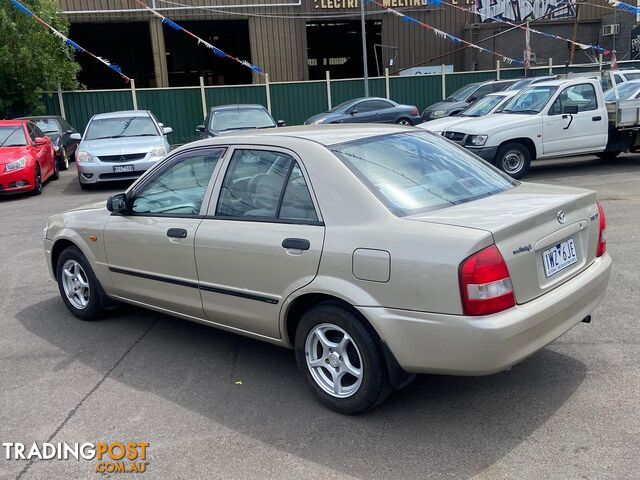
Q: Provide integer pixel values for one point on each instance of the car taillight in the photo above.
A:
(602, 236)
(414, 112)
(485, 284)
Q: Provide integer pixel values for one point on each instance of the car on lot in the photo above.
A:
(558, 118)
(59, 131)
(623, 91)
(119, 146)
(368, 110)
(629, 75)
(463, 97)
(229, 118)
(440, 264)
(27, 157)
(492, 103)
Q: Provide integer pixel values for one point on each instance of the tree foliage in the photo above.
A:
(32, 59)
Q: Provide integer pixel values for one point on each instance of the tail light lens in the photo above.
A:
(414, 112)
(602, 237)
(485, 284)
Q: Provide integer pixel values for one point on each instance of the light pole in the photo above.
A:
(364, 49)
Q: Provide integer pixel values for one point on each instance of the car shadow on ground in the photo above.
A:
(584, 166)
(455, 426)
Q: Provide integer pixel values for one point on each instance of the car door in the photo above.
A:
(384, 112)
(585, 131)
(150, 251)
(260, 241)
(363, 112)
(41, 152)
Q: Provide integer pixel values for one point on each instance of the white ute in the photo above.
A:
(557, 118)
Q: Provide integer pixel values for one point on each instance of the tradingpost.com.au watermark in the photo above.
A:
(110, 457)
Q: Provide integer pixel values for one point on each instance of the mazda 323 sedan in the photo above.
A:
(376, 252)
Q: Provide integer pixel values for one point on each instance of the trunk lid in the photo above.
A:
(526, 222)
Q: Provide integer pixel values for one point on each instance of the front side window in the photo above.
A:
(239, 119)
(462, 93)
(117, 127)
(263, 184)
(12, 137)
(179, 189)
(482, 92)
(530, 101)
(582, 96)
(417, 172)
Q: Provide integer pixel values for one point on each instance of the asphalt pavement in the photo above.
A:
(217, 406)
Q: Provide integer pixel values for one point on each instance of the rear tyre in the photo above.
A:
(37, 182)
(608, 155)
(341, 359)
(56, 171)
(78, 285)
(514, 159)
(404, 121)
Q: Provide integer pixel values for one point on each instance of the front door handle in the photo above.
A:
(597, 118)
(296, 243)
(177, 233)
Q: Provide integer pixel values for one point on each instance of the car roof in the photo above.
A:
(38, 117)
(12, 123)
(238, 106)
(326, 135)
(124, 113)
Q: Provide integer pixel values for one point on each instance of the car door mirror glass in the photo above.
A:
(570, 109)
(118, 203)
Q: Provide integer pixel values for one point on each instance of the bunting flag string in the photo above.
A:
(444, 35)
(215, 50)
(625, 7)
(68, 41)
(582, 46)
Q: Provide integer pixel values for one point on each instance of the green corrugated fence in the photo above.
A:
(293, 102)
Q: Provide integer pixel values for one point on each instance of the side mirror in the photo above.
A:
(118, 203)
(353, 111)
(68, 132)
(570, 109)
(41, 141)
(281, 123)
(200, 128)
(75, 136)
(471, 99)
(167, 130)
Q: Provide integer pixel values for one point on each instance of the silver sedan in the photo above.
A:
(375, 252)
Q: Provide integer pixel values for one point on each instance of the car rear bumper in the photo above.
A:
(459, 345)
(98, 172)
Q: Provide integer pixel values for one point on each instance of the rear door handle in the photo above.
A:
(177, 233)
(597, 118)
(296, 243)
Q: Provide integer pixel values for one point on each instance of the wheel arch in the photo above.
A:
(301, 304)
(526, 141)
(60, 246)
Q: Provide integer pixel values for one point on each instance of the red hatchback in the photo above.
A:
(27, 157)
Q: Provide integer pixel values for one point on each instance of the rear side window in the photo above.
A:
(417, 172)
(262, 184)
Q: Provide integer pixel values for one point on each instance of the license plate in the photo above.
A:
(122, 168)
(559, 257)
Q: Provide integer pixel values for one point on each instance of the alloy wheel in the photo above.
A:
(334, 360)
(76, 284)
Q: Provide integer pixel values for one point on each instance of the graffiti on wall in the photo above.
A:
(523, 10)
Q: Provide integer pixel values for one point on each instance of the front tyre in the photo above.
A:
(78, 285)
(341, 359)
(608, 155)
(63, 160)
(404, 121)
(514, 159)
